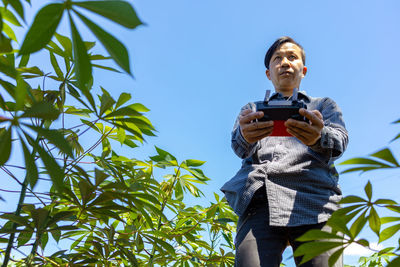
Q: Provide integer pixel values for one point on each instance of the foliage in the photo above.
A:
(357, 214)
(102, 208)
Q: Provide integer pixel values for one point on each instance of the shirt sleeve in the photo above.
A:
(334, 136)
(240, 146)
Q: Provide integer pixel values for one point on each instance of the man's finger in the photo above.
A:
(313, 117)
(260, 125)
(316, 112)
(297, 134)
(254, 136)
(299, 126)
(251, 117)
(245, 112)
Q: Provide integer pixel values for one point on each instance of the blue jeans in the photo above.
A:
(261, 245)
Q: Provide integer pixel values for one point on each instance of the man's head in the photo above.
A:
(285, 61)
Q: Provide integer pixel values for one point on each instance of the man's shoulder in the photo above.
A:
(319, 99)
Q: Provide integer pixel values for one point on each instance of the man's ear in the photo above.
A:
(304, 71)
(268, 74)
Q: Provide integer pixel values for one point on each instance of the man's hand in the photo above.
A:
(251, 130)
(307, 133)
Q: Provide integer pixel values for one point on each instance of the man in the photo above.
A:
(286, 185)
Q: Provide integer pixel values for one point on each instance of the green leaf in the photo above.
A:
(316, 234)
(5, 145)
(5, 44)
(363, 161)
(121, 134)
(33, 70)
(389, 219)
(394, 208)
(114, 47)
(55, 137)
(54, 170)
(60, 215)
(9, 16)
(363, 242)
(120, 12)
(363, 169)
(198, 173)
(21, 220)
(389, 232)
(55, 65)
(386, 155)
(24, 61)
(395, 262)
(397, 137)
(32, 174)
(24, 237)
(178, 191)
(56, 235)
(7, 68)
(42, 29)
(86, 190)
(164, 157)
(83, 67)
(368, 190)
(358, 224)
(124, 111)
(100, 176)
(20, 93)
(65, 43)
(194, 162)
(42, 110)
(374, 221)
(10, 33)
(40, 216)
(312, 249)
(335, 257)
(106, 102)
(44, 239)
(385, 202)
(170, 249)
(352, 199)
(105, 68)
(17, 6)
(122, 99)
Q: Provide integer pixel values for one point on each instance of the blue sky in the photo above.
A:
(196, 63)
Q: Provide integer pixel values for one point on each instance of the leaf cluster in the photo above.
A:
(357, 214)
(102, 208)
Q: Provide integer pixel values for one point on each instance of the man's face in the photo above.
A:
(286, 68)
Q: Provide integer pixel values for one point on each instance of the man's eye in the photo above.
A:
(277, 58)
(292, 57)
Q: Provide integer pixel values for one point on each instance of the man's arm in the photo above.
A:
(326, 132)
(247, 132)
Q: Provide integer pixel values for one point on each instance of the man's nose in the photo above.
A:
(285, 61)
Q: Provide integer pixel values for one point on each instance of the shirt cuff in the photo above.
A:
(242, 142)
(323, 143)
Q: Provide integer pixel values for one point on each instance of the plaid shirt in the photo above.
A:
(301, 181)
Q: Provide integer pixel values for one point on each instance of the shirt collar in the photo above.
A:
(302, 95)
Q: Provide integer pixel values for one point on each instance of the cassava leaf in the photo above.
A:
(114, 47)
(120, 12)
(83, 67)
(42, 29)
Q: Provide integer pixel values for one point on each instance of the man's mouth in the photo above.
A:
(286, 73)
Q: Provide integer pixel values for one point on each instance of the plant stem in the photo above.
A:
(21, 200)
(162, 210)
(14, 225)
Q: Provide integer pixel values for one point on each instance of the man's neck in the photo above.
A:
(285, 92)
